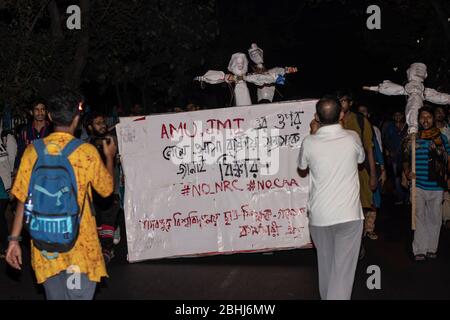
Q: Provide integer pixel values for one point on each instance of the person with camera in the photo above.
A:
(106, 209)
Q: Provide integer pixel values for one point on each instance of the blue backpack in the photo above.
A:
(55, 219)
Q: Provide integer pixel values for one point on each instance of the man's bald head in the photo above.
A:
(328, 110)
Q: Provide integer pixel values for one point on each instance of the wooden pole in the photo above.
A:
(413, 181)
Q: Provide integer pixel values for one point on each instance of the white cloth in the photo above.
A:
(332, 156)
(378, 137)
(5, 168)
(11, 147)
(8, 151)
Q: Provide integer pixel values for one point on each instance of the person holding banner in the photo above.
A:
(432, 165)
(331, 155)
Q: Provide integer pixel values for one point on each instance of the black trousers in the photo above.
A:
(106, 218)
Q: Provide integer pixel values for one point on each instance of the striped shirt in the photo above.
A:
(422, 165)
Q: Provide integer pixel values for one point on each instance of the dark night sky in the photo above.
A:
(327, 43)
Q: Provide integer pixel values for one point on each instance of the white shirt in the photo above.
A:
(11, 147)
(332, 156)
(378, 137)
(5, 169)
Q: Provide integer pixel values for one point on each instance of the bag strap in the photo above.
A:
(71, 147)
(86, 195)
(360, 119)
(39, 146)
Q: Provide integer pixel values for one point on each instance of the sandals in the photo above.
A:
(108, 255)
(372, 235)
(419, 257)
(431, 255)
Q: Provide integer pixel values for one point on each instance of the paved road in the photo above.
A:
(283, 275)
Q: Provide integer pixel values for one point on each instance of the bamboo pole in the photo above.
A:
(413, 181)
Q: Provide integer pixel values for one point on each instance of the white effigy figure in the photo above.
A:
(266, 92)
(238, 66)
(415, 91)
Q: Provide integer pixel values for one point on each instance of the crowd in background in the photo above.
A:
(384, 145)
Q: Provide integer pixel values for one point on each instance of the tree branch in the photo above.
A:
(106, 11)
(37, 17)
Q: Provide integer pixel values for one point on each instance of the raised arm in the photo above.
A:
(212, 77)
(437, 97)
(261, 79)
(388, 88)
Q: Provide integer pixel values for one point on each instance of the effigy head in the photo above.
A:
(238, 64)
(256, 54)
(417, 72)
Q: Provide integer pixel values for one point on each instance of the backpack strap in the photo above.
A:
(86, 195)
(70, 147)
(360, 119)
(40, 147)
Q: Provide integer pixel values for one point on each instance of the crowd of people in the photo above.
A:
(92, 129)
(344, 199)
(348, 189)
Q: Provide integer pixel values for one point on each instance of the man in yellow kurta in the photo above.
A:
(85, 258)
(367, 175)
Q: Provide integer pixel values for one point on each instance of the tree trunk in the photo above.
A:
(55, 20)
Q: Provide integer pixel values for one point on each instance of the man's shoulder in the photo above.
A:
(310, 139)
(30, 154)
(88, 148)
(351, 137)
(307, 141)
(350, 134)
(84, 147)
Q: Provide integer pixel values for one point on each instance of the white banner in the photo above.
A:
(215, 181)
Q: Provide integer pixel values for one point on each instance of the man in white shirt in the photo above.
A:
(331, 156)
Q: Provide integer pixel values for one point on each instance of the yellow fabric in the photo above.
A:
(351, 123)
(88, 167)
(365, 193)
